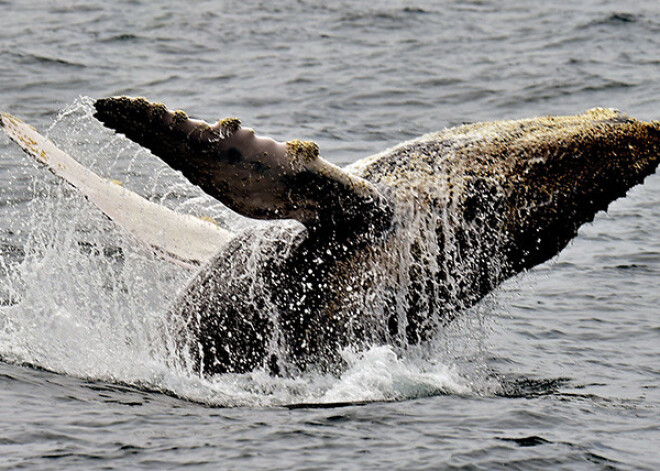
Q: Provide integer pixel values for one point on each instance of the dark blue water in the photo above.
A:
(559, 369)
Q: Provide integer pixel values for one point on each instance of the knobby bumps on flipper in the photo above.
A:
(228, 126)
(302, 151)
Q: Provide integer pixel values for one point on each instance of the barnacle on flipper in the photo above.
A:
(179, 117)
(158, 109)
(141, 103)
(305, 151)
(229, 126)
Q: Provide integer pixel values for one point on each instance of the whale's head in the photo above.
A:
(554, 174)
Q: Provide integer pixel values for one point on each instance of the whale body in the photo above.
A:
(386, 250)
(391, 247)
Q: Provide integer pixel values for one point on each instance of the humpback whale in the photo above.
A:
(386, 250)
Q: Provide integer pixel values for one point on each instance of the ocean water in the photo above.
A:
(557, 369)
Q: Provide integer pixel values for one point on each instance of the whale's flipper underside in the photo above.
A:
(255, 176)
(181, 238)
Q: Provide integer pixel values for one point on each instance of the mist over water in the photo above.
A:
(557, 369)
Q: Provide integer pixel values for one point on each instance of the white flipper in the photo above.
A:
(180, 238)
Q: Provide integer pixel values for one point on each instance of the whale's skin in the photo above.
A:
(468, 207)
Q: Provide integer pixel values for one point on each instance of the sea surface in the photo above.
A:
(558, 369)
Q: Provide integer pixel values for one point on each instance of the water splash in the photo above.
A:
(81, 297)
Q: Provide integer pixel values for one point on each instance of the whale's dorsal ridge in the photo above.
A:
(257, 177)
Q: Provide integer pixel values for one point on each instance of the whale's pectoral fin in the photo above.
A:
(255, 176)
(180, 238)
